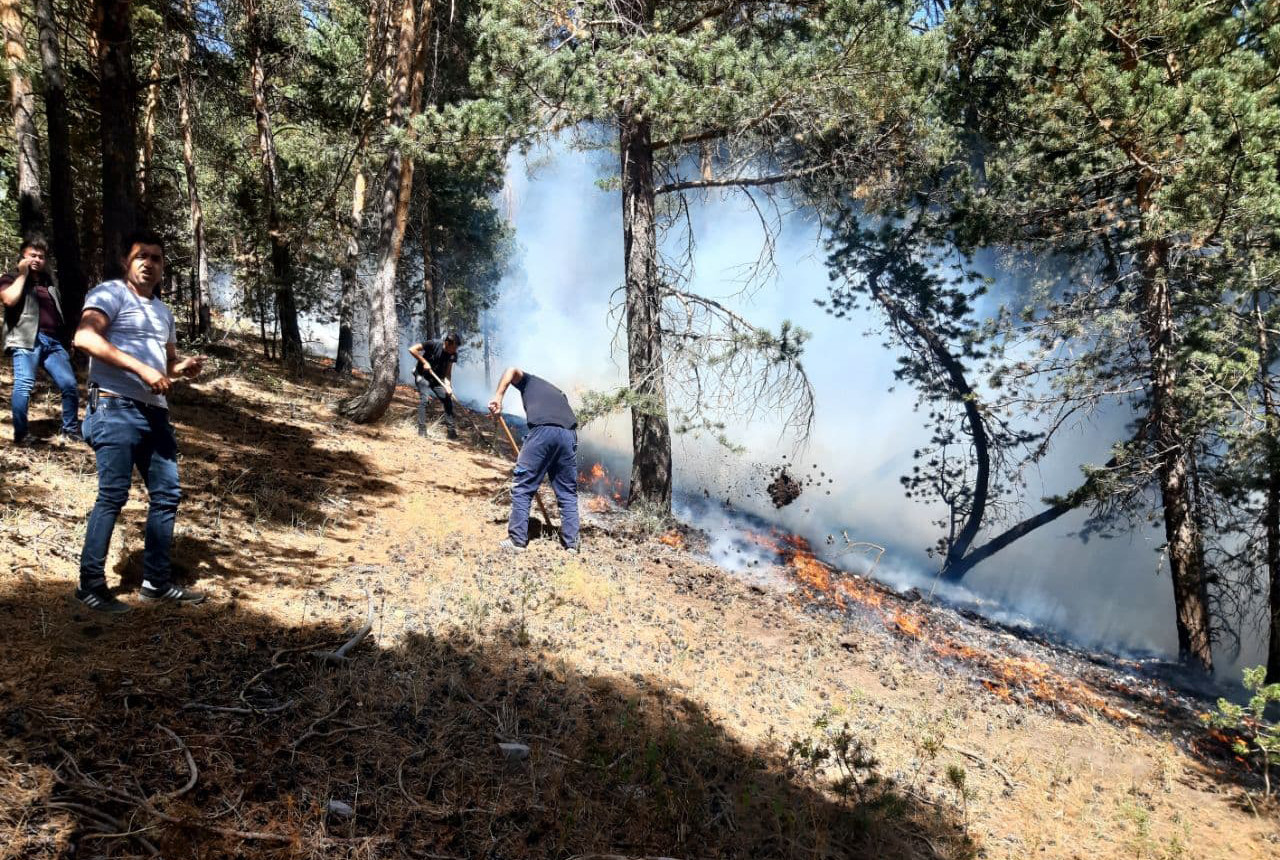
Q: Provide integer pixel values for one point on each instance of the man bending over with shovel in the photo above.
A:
(434, 375)
(551, 448)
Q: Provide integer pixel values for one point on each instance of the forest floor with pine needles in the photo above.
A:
(632, 701)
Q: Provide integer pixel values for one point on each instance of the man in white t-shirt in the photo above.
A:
(130, 337)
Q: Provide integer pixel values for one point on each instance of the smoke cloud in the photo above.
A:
(554, 319)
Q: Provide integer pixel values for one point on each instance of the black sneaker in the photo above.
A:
(453, 434)
(171, 594)
(100, 600)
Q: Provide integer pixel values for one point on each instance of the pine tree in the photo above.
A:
(731, 91)
(1128, 149)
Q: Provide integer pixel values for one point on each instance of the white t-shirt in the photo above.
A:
(140, 327)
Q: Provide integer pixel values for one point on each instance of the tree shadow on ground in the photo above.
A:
(247, 464)
(237, 454)
(394, 753)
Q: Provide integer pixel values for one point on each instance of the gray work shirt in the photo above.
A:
(142, 328)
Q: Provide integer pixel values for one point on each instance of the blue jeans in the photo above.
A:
(548, 451)
(126, 434)
(46, 352)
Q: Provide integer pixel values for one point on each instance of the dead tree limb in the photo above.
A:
(191, 767)
(339, 657)
(100, 818)
(973, 756)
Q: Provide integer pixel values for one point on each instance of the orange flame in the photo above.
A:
(597, 479)
(955, 651)
(673, 539)
(907, 623)
(859, 591)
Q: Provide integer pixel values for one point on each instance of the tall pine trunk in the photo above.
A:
(62, 208)
(281, 254)
(397, 185)
(116, 108)
(344, 361)
(200, 289)
(1271, 482)
(150, 108)
(1183, 538)
(650, 430)
(30, 201)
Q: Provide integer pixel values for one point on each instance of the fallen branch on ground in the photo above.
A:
(102, 819)
(340, 657)
(973, 756)
(191, 767)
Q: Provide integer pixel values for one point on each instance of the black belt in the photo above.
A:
(95, 392)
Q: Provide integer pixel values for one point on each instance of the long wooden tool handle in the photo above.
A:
(438, 380)
(516, 448)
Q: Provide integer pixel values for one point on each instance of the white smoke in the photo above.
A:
(553, 319)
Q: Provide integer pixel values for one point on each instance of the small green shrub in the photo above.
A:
(1258, 738)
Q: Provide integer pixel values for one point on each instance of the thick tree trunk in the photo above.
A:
(281, 254)
(1184, 541)
(1271, 507)
(345, 359)
(650, 429)
(350, 289)
(397, 185)
(116, 109)
(200, 289)
(62, 209)
(30, 201)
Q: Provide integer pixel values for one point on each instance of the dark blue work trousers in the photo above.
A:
(548, 451)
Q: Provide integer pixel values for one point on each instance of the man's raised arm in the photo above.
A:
(512, 375)
(12, 293)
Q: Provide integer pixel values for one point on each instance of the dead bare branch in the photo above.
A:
(340, 657)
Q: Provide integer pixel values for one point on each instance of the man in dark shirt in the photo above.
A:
(438, 356)
(550, 449)
(33, 335)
